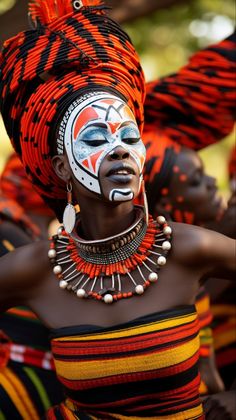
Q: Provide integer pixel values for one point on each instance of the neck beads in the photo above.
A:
(104, 269)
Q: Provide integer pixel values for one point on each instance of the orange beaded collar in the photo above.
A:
(98, 269)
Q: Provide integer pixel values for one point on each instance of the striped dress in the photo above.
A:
(28, 385)
(205, 318)
(143, 369)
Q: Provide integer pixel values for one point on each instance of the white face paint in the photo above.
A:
(91, 129)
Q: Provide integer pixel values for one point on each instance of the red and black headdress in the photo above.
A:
(74, 48)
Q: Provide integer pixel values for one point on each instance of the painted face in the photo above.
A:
(193, 193)
(95, 128)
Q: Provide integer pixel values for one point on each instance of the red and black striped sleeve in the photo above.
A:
(196, 106)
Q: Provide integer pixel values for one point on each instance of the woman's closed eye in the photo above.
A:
(95, 143)
(130, 135)
(131, 140)
(196, 179)
(94, 137)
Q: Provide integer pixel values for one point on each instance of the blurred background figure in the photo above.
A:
(25, 207)
(190, 110)
(223, 298)
(28, 386)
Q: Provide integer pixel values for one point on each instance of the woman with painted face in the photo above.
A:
(176, 183)
(123, 345)
(178, 187)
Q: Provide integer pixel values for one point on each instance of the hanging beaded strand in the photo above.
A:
(89, 265)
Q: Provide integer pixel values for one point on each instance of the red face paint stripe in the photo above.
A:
(86, 115)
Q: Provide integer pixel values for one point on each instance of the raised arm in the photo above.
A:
(196, 106)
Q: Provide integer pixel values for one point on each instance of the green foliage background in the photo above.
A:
(165, 40)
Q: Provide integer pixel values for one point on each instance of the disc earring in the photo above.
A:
(69, 215)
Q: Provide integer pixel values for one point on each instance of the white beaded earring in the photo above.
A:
(69, 215)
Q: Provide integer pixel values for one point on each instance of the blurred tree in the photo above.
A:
(166, 38)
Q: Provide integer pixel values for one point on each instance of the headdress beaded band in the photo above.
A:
(71, 51)
(98, 269)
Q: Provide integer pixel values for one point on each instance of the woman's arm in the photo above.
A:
(21, 272)
(218, 252)
(210, 253)
(11, 237)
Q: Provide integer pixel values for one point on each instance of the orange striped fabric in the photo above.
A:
(205, 318)
(146, 368)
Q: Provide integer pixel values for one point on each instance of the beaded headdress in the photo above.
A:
(74, 48)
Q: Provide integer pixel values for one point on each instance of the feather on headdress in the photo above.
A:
(46, 11)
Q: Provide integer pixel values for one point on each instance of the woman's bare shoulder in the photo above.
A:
(22, 270)
(31, 257)
(200, 247)
(190, 242)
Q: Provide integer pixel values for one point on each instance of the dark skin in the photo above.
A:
(192, 190)
(196, 254)
(227, 223)
(18, 236)
(198, 194)
(201, 198)
(221, 406)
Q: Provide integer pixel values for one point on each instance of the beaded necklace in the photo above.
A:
(98, 269)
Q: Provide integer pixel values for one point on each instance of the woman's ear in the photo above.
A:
(61, 167)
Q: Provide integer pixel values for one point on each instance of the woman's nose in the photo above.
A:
(119, 153)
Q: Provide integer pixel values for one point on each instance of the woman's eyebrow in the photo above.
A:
(97, 124)
(126, 123)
